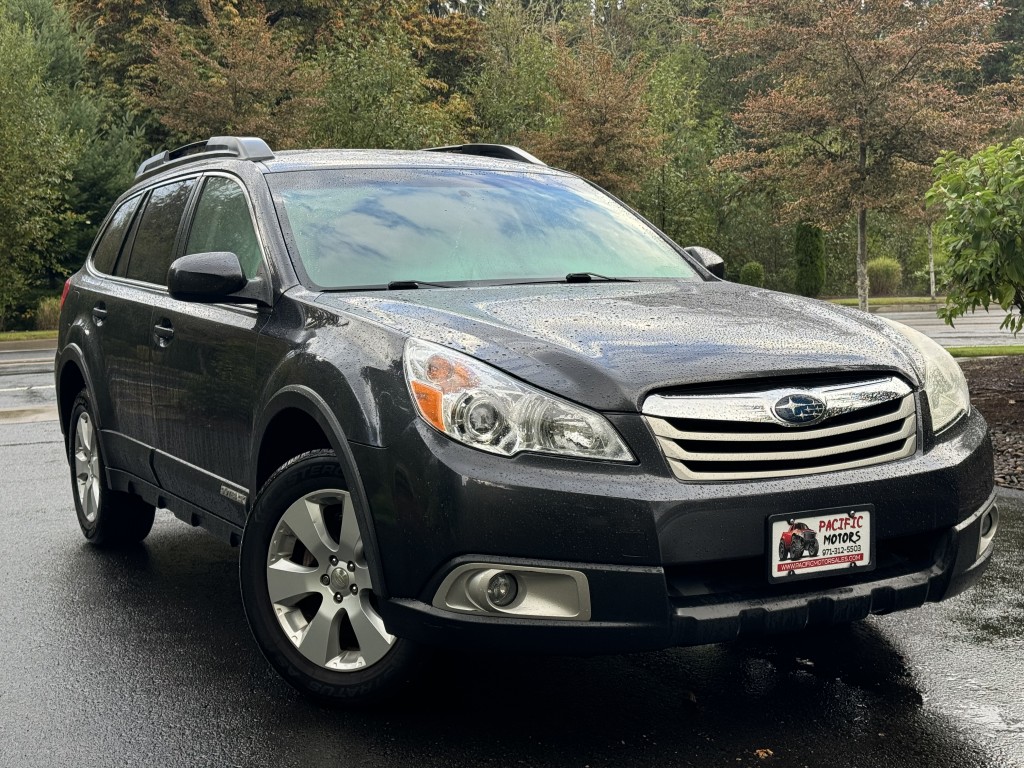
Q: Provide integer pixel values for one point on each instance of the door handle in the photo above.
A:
(164, 332)
(99, 314)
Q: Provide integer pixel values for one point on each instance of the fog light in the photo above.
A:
(502, 589)
(987, 528)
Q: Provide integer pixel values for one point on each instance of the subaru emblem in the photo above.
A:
(799, 410)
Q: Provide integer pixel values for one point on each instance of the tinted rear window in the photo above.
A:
(371, 227)
(153, 248)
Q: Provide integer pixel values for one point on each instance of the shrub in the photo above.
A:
(885, 276)
(47, 314)
(752, 273)
(809, 246)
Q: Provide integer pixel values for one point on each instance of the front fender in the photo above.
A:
(305, 399)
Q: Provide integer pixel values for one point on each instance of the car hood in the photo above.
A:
(607, 345)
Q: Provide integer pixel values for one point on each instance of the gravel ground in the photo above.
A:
(997, 390)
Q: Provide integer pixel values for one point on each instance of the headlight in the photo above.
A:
(482, 407)
(943, 380)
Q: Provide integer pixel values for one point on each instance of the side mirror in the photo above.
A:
(213, 277)
(707, 258)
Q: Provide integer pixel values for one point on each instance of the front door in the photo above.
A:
(204, 378)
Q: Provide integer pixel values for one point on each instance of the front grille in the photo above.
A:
(741, 436)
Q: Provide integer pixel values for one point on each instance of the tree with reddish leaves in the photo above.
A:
(232, 74)
(851, 101)
(600, 118)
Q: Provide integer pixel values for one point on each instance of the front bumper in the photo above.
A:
(667, 563)
(642, 609)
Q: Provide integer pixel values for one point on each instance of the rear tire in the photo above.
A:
(107, 517)
(307, 592)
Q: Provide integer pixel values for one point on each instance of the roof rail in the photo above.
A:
(500, 151)
(238, 147)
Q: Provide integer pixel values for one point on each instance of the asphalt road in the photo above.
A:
(973, 330)
(143, 657)
(26, 381)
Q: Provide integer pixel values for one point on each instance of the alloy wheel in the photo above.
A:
(87, 467)
(319, 584)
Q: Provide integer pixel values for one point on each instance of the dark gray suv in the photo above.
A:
(458, 398)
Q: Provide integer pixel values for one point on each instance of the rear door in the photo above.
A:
(204, 375)
(122, 318)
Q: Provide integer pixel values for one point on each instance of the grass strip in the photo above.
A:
(995, 350)
(885, 301)
(26, 335)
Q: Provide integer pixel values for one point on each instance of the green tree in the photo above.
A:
(106, 143)
(752, 273)
(36, 159)
(374, 94)
(511, 94)
(852, 101)
(809, 252)
(982, 199)
(682, 194)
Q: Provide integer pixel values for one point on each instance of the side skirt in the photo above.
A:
(183, 510)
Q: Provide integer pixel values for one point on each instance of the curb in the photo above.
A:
(1010, 493)
(28, 344)
(28, 415)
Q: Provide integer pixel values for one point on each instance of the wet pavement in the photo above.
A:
(974, 329)
(143, 657)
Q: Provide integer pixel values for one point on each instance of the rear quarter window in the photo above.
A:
(108, 246)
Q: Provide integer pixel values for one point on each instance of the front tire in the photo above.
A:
(307, 591)
(107, 517)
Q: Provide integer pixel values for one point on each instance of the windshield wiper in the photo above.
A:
(401, 285)
(586, 277)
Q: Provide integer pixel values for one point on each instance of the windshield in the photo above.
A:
(370, 227)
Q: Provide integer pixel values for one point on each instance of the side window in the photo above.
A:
(153, 248)
(222, 223)
(104, 255)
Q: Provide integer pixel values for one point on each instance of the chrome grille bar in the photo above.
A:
(864, 423)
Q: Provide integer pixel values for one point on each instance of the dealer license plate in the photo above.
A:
(820, 542)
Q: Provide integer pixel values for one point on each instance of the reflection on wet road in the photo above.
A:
(144, 658)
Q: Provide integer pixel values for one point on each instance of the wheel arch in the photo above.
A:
(72, 376)
(300, 407)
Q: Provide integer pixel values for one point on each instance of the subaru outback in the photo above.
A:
(455, 397)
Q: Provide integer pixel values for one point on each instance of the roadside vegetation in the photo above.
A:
(795, 138)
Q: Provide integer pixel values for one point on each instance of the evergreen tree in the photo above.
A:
(36, 160)
(809, 251)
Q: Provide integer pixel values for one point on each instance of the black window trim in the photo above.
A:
(266, 266)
